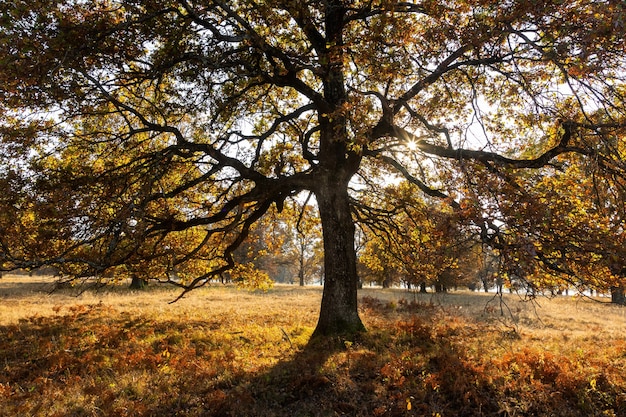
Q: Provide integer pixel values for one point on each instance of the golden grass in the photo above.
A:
(222, 351)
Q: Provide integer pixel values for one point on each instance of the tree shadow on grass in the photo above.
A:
(333, 384)
(94, 360)
(386, 372)
(300, 386)
(414, 367)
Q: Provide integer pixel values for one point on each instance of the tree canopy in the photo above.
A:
(158, 132)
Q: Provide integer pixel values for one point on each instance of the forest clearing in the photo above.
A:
(431, 143)
(222, 351)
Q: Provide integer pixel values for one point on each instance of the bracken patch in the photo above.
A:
(221, 358)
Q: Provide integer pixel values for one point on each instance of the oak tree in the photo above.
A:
(164, 129)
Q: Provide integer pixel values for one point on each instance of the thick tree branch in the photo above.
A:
(413, 180)
(460, 154)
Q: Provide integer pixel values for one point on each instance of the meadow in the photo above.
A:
(221, 351)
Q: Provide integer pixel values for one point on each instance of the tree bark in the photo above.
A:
(301, 268)
(338, 313)
(618, 295)
(138, 283)
(337, 164)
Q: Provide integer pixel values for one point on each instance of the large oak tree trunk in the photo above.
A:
(338, 314)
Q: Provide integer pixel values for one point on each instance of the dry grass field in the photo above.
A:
(227, 352)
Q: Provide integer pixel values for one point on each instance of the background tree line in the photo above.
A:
(149, 139)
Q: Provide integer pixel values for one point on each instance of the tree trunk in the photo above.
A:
(423, 289)
(337, 165)
(301, 268)
(301, 262)
(338, 313)
(138, 283)
(618, 295)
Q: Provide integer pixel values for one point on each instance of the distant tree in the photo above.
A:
(420, 243)
(378, 265)
(264, 249)
(307, 240)
(285, 245)
(131, 124)
(488, 266)
(578, 240)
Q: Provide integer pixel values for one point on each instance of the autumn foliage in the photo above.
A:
(151, 138)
